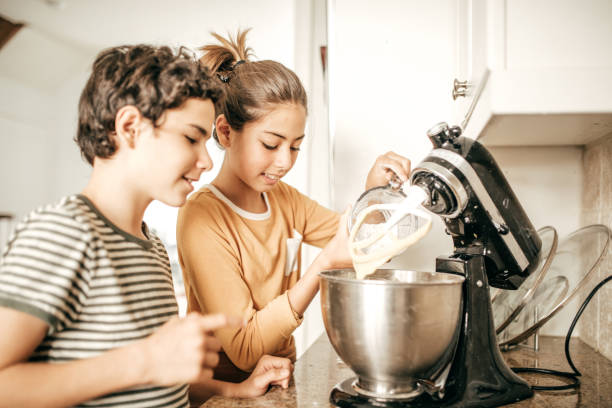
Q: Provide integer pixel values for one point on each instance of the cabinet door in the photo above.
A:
(472, 65)
(538, 73)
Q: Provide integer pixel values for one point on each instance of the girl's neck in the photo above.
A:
(238, 192)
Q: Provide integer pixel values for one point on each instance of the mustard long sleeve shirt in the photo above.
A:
(242, 264)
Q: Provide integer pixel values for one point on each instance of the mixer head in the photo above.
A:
(483, 216)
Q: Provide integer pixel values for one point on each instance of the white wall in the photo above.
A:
(311, 174)
(393, 70)
(40, 78)
(70, 172)
(548, 183)
(25, 148)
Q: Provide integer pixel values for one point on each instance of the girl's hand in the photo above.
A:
(269, 371)
(384, 169)
(335, 255)
(184, 350)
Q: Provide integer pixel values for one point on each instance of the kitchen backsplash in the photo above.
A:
(596, 322)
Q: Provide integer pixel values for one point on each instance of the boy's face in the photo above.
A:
(266, 149)
(173, 155)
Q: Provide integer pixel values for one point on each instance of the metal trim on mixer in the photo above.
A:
(388, 396)
(464, 167)
(451, 181)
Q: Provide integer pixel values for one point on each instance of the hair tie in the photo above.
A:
(226, 77)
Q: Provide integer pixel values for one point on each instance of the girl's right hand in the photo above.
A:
(184, 350)
(335, 255)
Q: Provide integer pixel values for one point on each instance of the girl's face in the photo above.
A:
(266, 149)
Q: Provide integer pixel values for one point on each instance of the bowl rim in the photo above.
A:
(449, 279)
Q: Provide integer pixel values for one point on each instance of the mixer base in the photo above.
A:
(344, 396)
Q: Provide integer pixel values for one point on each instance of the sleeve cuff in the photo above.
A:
(296, 315)
(32, 310)
(279, 318)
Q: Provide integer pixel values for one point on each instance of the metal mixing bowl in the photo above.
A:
(393, 328)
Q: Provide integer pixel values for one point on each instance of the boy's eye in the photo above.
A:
(267, 146)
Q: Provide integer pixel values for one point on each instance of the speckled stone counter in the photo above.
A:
(319, 369)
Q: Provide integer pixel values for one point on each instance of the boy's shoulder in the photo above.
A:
(69, 217)
(72, 210)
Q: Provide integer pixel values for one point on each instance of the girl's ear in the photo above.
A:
(222, 127)
(128, 123)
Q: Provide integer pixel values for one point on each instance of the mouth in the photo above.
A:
(190, 181)
(272, 178)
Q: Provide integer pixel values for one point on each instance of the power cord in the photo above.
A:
(572, 376)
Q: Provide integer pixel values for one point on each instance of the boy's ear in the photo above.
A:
(222, 127)
(128, 122)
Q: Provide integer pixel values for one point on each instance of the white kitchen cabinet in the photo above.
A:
(549, 67)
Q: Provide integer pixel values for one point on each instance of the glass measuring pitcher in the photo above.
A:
(383, 223)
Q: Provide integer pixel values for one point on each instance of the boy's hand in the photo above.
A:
(184, 350)
(269, 371)
(384, 169)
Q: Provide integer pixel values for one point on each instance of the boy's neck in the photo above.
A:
(117, 202)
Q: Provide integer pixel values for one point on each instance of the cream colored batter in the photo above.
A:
(382, 243)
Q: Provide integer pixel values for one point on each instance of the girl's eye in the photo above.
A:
(295, 149)
(191, 140)
(268, 146)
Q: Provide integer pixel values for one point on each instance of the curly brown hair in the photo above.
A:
(251, 88)
(151, 78)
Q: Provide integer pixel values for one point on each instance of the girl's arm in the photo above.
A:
(335, 255)
(181, 351)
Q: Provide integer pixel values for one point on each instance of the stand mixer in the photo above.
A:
(495, 245)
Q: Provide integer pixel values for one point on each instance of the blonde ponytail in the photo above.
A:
(221, 58)
(251, 88)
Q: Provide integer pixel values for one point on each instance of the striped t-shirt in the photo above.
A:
(96, 286)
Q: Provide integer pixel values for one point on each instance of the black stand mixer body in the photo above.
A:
(482, 214)
(494, 244)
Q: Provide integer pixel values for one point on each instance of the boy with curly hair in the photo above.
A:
(86, 298)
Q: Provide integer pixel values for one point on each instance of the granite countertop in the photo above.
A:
(319, 369)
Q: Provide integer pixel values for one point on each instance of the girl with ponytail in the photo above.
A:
(239, 238)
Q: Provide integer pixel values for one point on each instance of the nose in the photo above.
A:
(283, 159)
(204, 162)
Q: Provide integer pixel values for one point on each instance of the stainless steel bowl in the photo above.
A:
(392, 329)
